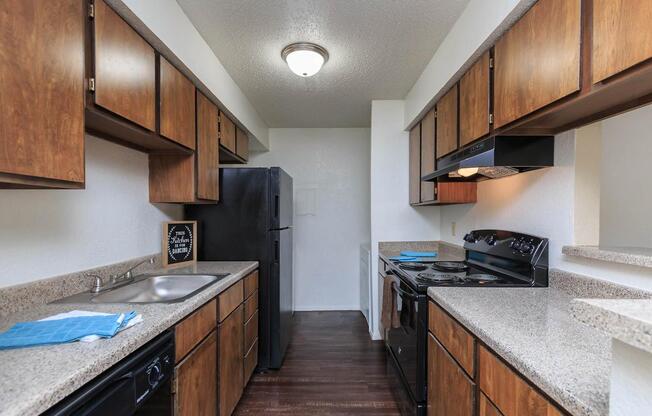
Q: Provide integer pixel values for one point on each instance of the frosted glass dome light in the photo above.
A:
(304, 59)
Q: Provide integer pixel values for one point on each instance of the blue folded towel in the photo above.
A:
(419, 253)
(403, 258)
(59, 331)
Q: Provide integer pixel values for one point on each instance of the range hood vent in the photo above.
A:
(495, 157)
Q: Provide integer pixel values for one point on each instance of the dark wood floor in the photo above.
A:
(331, 368)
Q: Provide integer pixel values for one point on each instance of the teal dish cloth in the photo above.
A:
(60, 331)
(419, 253)
(403, 258)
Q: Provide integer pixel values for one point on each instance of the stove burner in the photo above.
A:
(482, 277)
(450, 266)
(435, 277)
(413, 266)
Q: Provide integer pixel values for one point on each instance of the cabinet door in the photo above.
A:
(227, 133)
(42, 90)
(125, 69)
(621, 35)
(538, 60)
(207, 149)
(196, 381)
(447, 123)
(230, 361)
(428, 155)
(474, 102)
(450, 391)
(415, 164)
(177, 105)
(512, 395)
(242, 143)
(487, 408)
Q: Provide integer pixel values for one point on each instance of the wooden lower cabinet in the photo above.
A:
(230, 362)
(510, 393)
(450, 391)
(487, 408)
(195, 381)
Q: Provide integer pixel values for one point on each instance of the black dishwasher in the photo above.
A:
(138, 385)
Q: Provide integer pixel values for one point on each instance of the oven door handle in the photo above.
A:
(403, 292)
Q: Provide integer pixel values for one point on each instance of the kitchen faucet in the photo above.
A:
(128, 275)
(117, 279)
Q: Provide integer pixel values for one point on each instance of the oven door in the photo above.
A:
(403, 341)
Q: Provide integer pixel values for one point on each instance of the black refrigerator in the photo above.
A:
(253, 221)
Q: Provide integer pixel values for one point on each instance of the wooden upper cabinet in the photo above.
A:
(447, 123)
(538, 60)
(428, 155)
(242, 143)
(227, 133)
(415, 164)
(41, 93)
(125, 69)
(474, 102)
(207, 149)
(196, 381)
(177, 105)
(450, 391)
(621, 35)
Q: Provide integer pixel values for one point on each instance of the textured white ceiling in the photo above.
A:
(377, 48)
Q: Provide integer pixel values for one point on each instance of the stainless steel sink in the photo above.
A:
(164, 288)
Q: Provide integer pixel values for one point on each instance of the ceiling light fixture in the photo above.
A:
(304, 59)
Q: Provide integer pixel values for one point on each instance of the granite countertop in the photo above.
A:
(533, 330)
(627, 320)
(34, 379)
(445, 251)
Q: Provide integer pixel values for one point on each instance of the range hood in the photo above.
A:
(495, 157)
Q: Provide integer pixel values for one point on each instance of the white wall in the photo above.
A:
(166, 19)
(52, 232)
(392, 218)
(481, 23)
(330, 169)
(626, 199)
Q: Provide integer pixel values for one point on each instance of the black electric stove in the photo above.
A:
(493, 258)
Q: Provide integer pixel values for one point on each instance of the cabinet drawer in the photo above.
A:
(251, 305)
(251, 283)
(189, 332)
(250, 362)
(250, 331)
(511, 394)
(459, 343)
(230, 299)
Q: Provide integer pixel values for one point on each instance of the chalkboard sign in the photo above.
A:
(179, 242)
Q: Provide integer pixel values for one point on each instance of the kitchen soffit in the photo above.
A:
(377, 51)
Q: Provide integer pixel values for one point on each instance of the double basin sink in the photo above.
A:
(163, 288)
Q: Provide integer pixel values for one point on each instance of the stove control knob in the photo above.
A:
(491, 240)
(526, 248)
(154, 374)
(470, 238)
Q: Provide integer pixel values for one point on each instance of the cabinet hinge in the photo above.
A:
(491, 119)
(491, 63)
(435, 113)
(91, 10)
(91, 84)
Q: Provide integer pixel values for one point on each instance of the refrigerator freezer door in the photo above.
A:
(281, 199)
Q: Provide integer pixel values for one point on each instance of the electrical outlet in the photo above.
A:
(453, 228)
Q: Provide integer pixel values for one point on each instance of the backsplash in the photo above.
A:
(19, 297)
